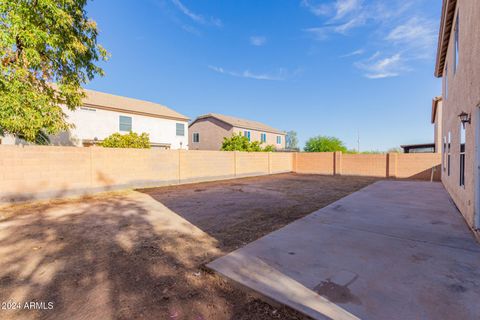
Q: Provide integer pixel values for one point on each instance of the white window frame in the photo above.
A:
(196, 134)
(462, 140)
(120, 123)
(449, 154)
(444, 153)
(177, 131)
(263, 137)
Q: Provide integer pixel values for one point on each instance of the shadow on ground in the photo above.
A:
(114, 259)
(127, 256)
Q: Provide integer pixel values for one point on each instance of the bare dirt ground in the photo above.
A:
(140, 255)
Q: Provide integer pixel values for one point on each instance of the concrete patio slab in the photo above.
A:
(393, 250)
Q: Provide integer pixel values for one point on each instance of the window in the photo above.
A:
(247, 134)
(455, 53)
(263, 137)
(125, 123)
(196, 137)
(444, 153)
(279, 140)
(448, 152)
(462, 155)
(180, 129)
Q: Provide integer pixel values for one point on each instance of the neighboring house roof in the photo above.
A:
(407, 147)
(128, 105)
(435, 102)
(446, 23)
(240, 123)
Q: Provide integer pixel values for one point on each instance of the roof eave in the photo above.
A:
(206, 116)
(448, 12)
(434, 108)
(129, 111)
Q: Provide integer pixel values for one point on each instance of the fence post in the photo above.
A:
(269, 163)
(179, 166)
(337, 163)
(392, 164)
(294, 162)
(92, 181)
(234, 163)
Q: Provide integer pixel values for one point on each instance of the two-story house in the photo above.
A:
(436, 120)
(207, 132)
(103, 114)
(458, 64)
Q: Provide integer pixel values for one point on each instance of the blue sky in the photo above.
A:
(319, 67)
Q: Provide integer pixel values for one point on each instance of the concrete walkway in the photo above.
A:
(393, 250)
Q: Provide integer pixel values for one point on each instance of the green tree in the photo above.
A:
(44, 42)
(291, 140)
(238, 142)
(324, 144)
(129, 140)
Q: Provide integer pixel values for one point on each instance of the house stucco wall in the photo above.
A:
(462, 94)
(91, 122)
(211, 133)
(437, 128)
(255, 135)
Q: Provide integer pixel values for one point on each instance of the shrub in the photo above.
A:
(269, 148)
(129, 140)
(238, 142)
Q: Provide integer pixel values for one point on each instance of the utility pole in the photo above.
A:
(358, 140)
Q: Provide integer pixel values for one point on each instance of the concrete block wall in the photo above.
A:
(39, 172)
(252, 163)
(33, 172)
(373, 165)
(281, 162)
(418, 166)
(196, 166)
(315, 163)
(392, 165)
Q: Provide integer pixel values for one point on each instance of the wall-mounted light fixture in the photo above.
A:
(465, 118)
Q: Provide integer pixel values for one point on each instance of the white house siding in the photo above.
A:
(91, 123)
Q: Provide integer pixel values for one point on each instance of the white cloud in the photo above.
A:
(350, 24)
(353, 53)
(413, 30)
(399, 31)
(416, 35)
(344, 7)
(196, 17)
(280, 75)
(317, 9)
(382, 68)
(257, 41)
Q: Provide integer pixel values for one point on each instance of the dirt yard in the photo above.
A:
(140, 255)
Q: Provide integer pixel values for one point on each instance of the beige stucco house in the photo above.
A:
(437, 123)
(207, 132)
(458, 64)
(103, 114)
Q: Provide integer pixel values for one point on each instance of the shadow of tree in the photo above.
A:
(115, 257)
